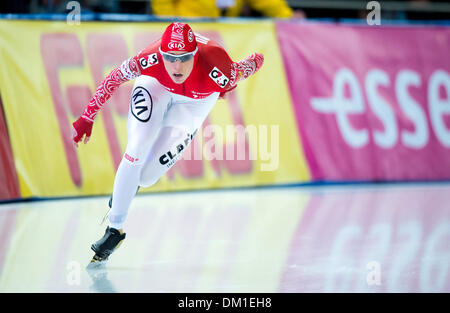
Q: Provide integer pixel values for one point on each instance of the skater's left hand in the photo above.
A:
(259, 60)
(248, 66)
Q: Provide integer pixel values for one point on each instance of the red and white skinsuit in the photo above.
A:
(199, 84)
(163, 116)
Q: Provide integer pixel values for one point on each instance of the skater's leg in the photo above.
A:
(148, 105)
(164, 154)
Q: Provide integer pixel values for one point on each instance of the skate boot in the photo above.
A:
(105, 246)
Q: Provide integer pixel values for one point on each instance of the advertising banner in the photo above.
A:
(371, 103)
(49, 71)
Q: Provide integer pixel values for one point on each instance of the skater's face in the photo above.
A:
(178, 69)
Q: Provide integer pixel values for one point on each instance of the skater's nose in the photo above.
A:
(177, 65)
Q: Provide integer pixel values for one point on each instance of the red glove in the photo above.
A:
(248, 66)
(81, 127)
(259, 60)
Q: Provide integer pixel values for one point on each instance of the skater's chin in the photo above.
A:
(178, 78)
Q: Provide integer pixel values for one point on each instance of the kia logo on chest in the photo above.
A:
(141, 104)
(176, 45)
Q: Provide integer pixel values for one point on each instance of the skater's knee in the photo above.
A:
(136, 152)
(150, 174)
(132, 158)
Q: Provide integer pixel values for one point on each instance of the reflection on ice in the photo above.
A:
(383, 238)
(100, 281)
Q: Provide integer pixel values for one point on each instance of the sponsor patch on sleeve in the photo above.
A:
(149, 60)
(218, 77)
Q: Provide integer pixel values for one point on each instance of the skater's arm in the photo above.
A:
(243, 69)
(247, 67)
(127, 71)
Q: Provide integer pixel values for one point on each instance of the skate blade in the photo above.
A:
(96, 263)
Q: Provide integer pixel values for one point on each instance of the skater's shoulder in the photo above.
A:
(150, 49)
(214, 59)
(212, 51)
(150, 59)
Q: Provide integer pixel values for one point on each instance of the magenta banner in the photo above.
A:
(371, 103)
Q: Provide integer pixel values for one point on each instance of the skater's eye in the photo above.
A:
(174, 57)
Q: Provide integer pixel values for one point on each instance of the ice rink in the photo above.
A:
(341, 238)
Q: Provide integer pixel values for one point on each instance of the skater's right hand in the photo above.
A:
(80, 128)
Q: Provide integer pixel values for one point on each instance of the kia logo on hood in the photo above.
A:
(175, 45)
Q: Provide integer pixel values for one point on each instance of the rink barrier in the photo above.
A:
(69, 67)
(357, 185)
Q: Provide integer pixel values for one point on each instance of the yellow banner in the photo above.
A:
(49, 70)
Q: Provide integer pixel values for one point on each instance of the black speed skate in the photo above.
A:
(105, 246)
